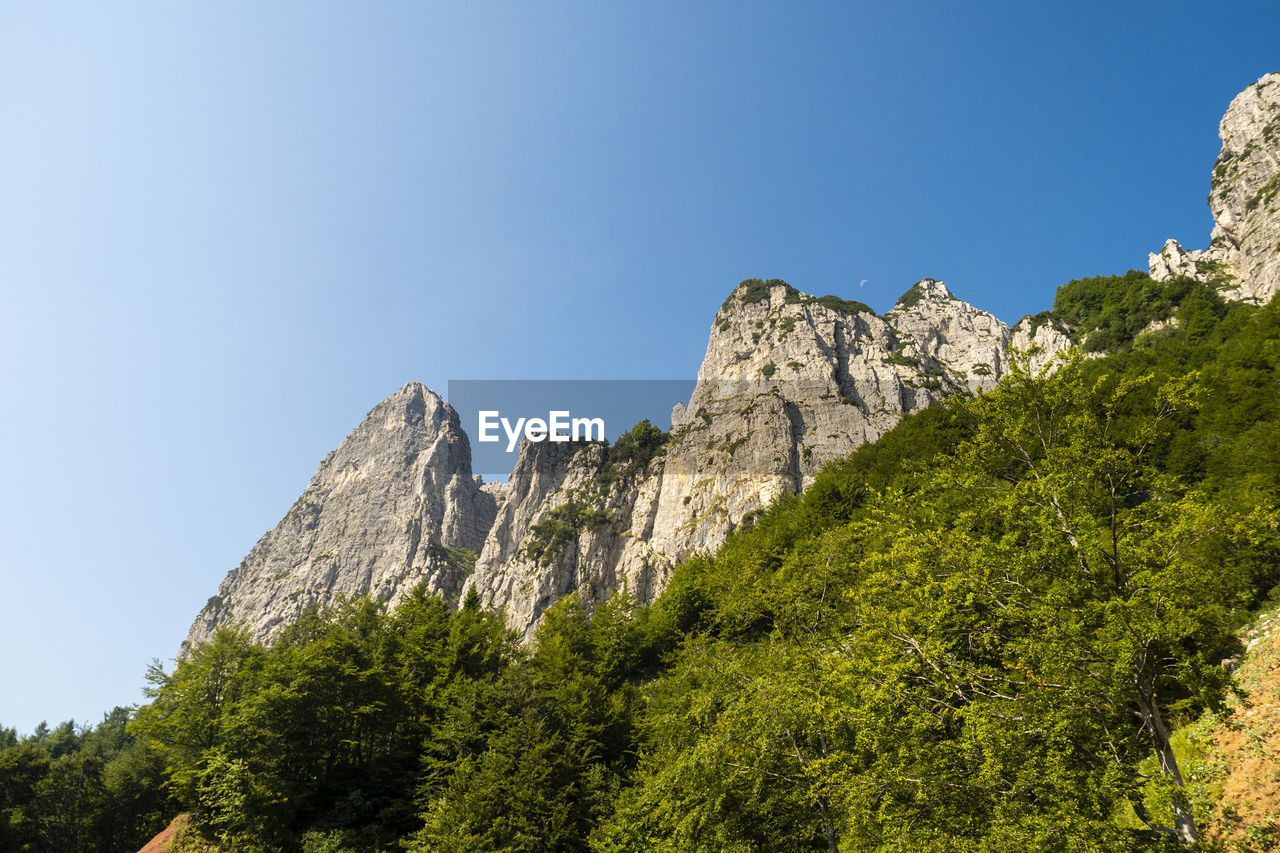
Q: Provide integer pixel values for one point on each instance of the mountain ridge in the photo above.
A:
(789, 382)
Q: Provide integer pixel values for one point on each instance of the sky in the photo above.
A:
(227, 230)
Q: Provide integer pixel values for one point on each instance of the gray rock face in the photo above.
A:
(566, 528)
(1173, 261)
(1243, 257)
(1042, 342)
(967, 344)
(788, 383)
(390, 508)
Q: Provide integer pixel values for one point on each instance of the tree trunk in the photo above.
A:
(1184, 822)
(829, 829)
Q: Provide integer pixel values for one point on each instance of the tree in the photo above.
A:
(185, 717)
(23, 767)
(531, 760)
(978, 659)
(739, 740)
(102, 791)
(1049, 588)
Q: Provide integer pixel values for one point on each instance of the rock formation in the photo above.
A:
(1243, 257)
(789, 382)
(576, 520)
(1042, 339)
(393, 506)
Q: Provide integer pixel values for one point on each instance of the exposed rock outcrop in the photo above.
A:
(395, 505)
(1243, 257)
(576, 520)
(1043, 340)
(789, 382)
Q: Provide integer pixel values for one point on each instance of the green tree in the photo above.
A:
(978, 659)
(23, 766)
(532, 760)
(185, 718)
(1050, 591)
(103, 791)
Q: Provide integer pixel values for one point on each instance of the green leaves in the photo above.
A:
(80, 789)
(535, 759)
(977, 656)
(325, 727)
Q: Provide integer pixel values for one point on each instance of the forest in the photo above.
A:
(991, 630)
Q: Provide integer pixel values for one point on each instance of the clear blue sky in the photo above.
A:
(228, 229)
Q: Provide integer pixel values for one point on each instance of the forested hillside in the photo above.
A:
(81, 787)
(993, 629)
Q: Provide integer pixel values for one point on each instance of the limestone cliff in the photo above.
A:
(1243, 257)
(1042, 339)
(578, 518)
(393, 506)
(789, 382)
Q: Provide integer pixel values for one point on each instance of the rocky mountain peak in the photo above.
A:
(963, 343)
(789, 382)
(1041, 340)
(396, 504)
(771, 333)
(1243, 257)
(926, 289)
(413, 406)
